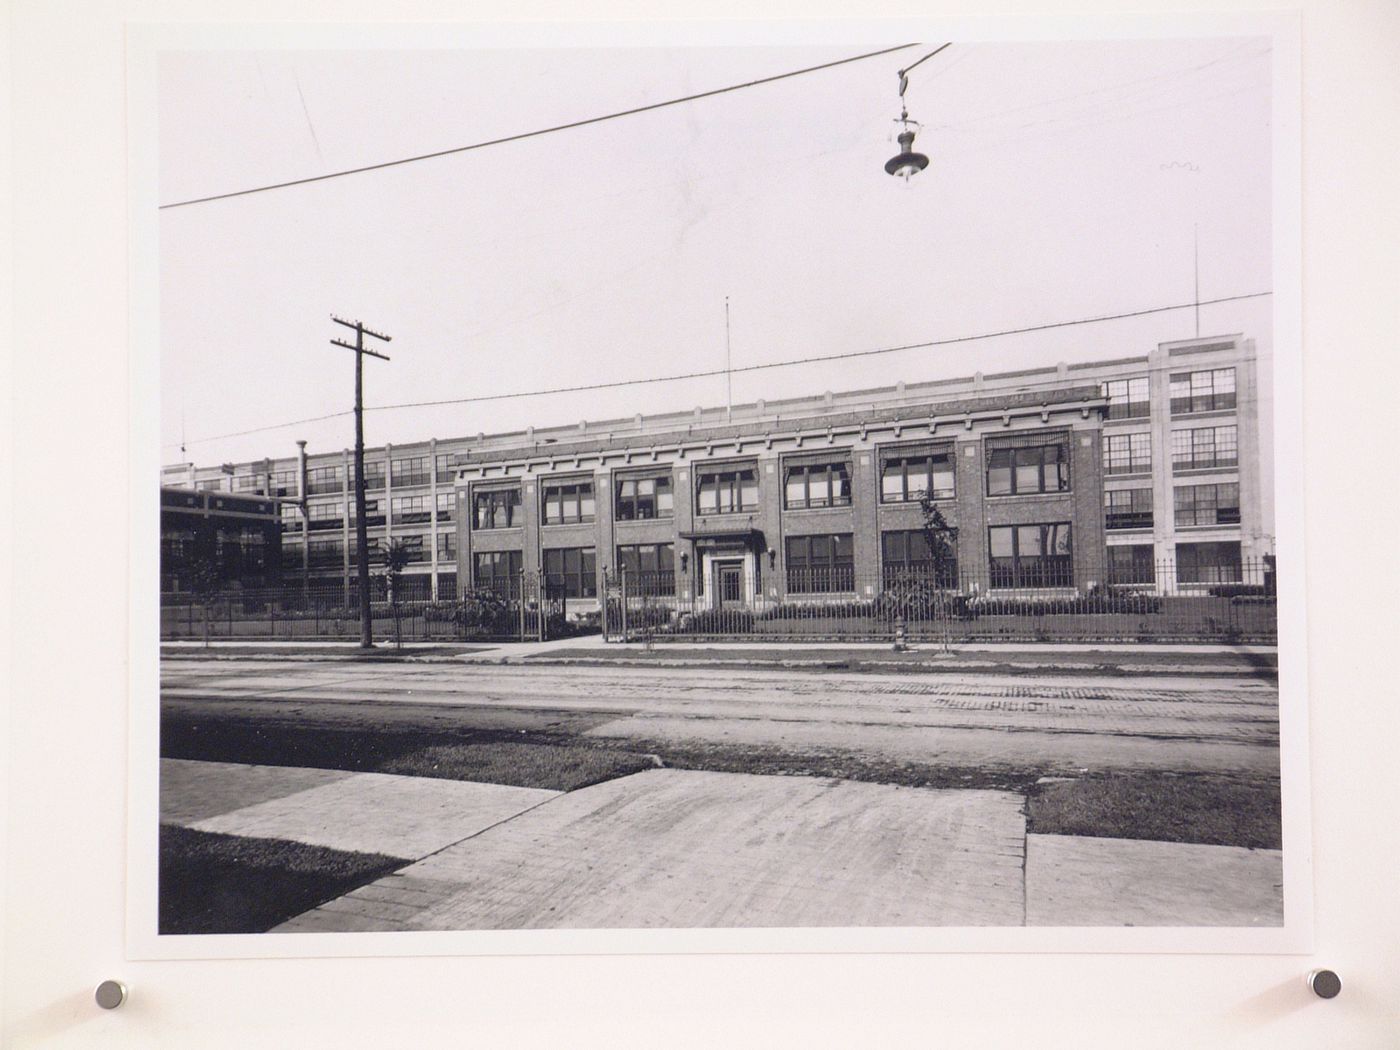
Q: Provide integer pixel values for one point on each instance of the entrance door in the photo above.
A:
(731, 584)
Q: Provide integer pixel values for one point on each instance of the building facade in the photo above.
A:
(1060, 478)
(210, 538)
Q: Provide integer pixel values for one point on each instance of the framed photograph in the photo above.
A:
(701, 488)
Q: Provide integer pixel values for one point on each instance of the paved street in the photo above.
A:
(1176, 722)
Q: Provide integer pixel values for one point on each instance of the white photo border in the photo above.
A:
(146, 41)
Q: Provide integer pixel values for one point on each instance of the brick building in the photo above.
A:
(1060, 478)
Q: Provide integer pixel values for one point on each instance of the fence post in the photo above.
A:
(622, 576)
(521, 593)
(272, 611)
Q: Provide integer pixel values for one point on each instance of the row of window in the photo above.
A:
(1195, 563)
(812, 486)
(1194, 505)
(404, 510)
(1021, 556)
(326, 552)
(408, 472)
(1198, 448)
(1209, 390)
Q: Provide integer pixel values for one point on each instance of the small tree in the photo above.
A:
(396, 557)
(942, 548)
(204, 583)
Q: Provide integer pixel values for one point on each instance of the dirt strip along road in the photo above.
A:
(1178, 722)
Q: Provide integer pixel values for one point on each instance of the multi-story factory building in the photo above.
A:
(1112, 471)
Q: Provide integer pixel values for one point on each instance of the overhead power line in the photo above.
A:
(536, 133)
(848, 355)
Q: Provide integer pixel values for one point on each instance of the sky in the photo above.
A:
(1067, 180)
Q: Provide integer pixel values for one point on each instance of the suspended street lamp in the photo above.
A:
(907, 163)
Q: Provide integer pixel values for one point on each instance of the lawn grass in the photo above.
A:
(490, 756)
(383, 651)
(1201, 808)
(211, 883)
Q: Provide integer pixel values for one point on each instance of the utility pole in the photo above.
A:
(361, 529)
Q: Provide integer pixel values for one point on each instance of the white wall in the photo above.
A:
(65, 762)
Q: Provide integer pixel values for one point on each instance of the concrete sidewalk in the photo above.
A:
(683, 848)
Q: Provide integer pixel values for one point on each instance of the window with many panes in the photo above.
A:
(1131, 564)
(250, 483)
(1024, 469)
(1207, 504)
(910, 476)
(642, 499)
(1127, 398)
(1127, 509)
(568, 503)
(415, 550)
(374, 474)
(1206, 391)
(726, 491)
(411, 510)
(209, 485)
(446, 502)
(324, 515)
(1208, 563)
(374, 512)
(905, 555)
(820, 564)
(322, 480)
(808, 486)
(1205, 447)
(498, 571)
(1127, 453)
(291, 516)
(284, 483)
(446, 466)
(325, 553)
(497, 509)
(447, 546)
(570, 572)
(650, 567)
(1031, 555)
(373, 547)
(412, 470)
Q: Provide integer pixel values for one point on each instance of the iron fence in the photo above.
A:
(522, 607)
(1233, 603)
(1142, 601)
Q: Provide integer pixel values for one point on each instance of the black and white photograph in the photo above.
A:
(778, 485)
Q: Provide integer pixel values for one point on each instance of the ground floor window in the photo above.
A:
(820, 564)
(1031, 555)
(571, 572)
(447, 586)
(1132, 564)
(650, 567)
(906, 554)
(1208, 563)
(498, 571)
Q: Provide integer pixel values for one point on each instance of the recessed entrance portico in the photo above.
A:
(727, 566)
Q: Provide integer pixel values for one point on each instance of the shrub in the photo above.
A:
(847, 610)
(646, 616)
(1239, 590)
(560, 626)
(1092, 604)
(717, 621)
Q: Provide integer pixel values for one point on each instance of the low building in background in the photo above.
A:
(215, 541)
